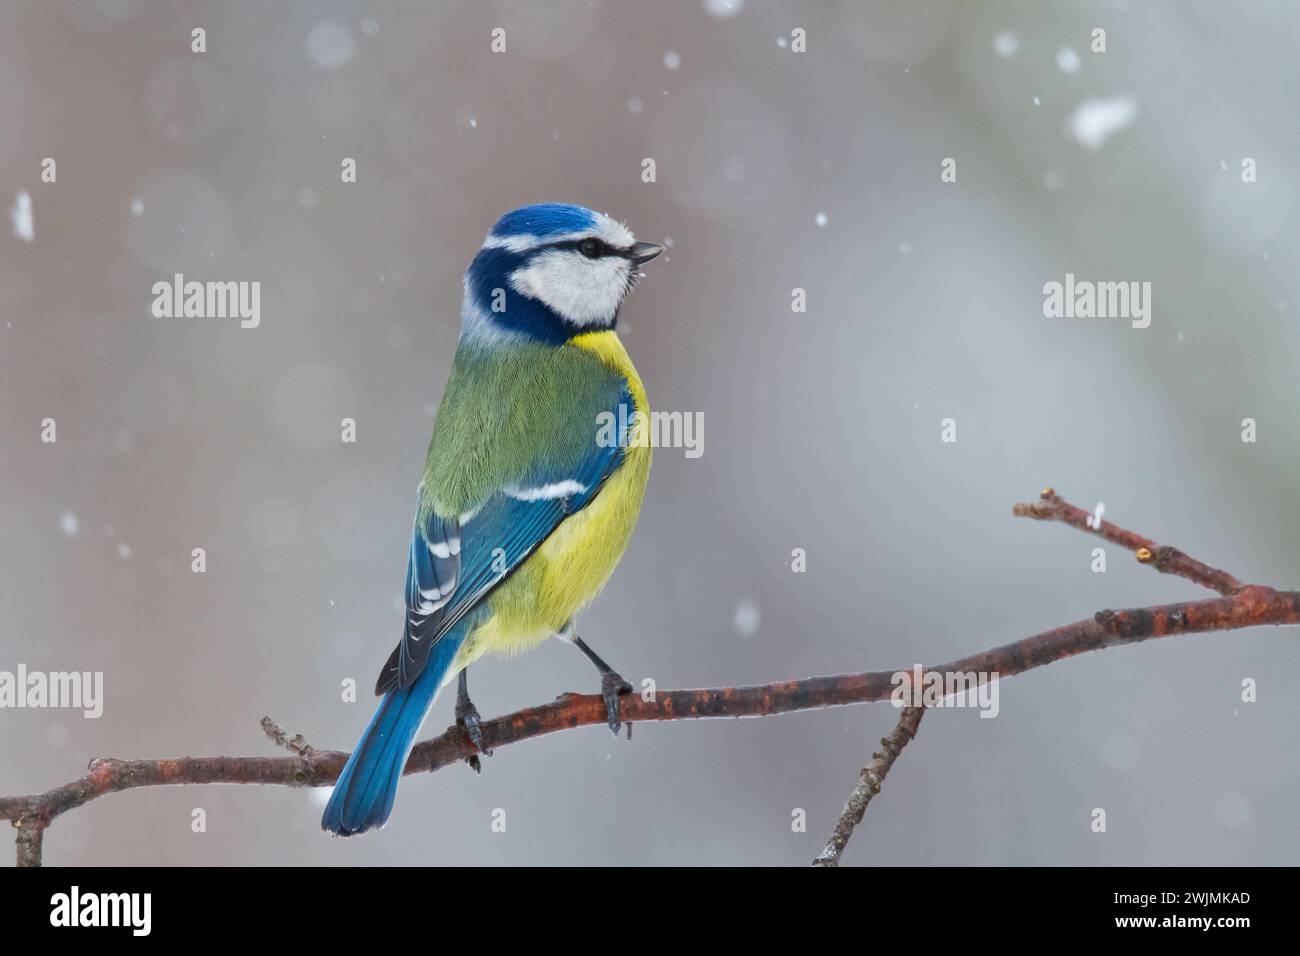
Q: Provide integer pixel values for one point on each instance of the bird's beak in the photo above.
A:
(643, 252)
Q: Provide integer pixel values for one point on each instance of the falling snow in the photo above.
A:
(723, 9)
(330, 45)
(21, 216)
(746, 618)
(1096, 120)
(1068, 60)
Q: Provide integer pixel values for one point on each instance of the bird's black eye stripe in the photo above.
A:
(591, 247)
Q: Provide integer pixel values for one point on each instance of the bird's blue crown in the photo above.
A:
(547, 220)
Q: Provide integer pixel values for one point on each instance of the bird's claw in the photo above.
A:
(611, 687)
(468, 720)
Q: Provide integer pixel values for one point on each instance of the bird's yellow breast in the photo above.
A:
(576, 560)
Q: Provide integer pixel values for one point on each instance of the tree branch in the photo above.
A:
(1050, 507)
(1243, 606)
(869, 783)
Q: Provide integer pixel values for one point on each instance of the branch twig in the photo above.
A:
(869, 783)
(1244, 606)
(1050, 507)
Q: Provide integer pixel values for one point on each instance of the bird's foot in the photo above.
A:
(468, 720)
(611, 684)
(611, 687)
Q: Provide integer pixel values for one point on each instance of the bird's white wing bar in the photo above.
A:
(558, 489)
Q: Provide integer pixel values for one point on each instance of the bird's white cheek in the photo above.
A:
(584, 291)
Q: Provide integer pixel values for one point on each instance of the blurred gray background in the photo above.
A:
(776, 170)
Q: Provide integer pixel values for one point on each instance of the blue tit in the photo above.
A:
(529, 497)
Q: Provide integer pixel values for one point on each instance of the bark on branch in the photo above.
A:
(1239, 606)
(869, 783)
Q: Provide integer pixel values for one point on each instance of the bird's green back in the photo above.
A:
(510, 414)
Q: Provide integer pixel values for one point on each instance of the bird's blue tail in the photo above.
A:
(363, 796)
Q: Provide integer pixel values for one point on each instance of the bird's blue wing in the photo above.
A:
(455, 562)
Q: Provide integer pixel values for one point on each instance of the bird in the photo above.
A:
(532, 484)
